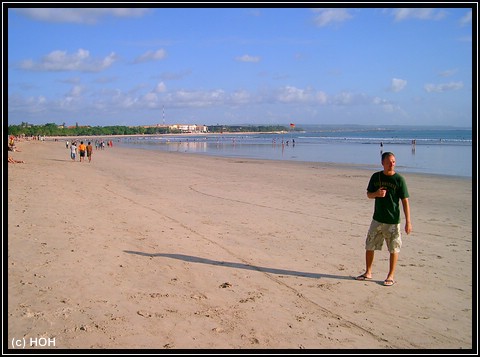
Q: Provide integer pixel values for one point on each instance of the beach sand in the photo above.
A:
(154, 250)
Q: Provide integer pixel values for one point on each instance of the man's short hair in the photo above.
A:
(387, 154)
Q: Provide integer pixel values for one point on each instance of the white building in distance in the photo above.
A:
(189, 128)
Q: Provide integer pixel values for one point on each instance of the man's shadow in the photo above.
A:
(193, 259)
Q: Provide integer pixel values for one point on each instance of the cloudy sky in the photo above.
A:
(144, 66)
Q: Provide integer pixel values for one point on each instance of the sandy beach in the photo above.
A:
(154, 250)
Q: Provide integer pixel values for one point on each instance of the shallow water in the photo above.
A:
(441, 152)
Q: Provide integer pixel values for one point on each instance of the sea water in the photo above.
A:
(440, 151)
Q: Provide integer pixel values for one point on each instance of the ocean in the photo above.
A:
(429, 150)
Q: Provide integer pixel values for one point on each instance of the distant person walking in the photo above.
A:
(82, 148)
(89, 151)
(73, 150)
(387, 188)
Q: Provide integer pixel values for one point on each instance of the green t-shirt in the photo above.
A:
(387, 209)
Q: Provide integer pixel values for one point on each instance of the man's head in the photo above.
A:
(387, 154)
(388, 161)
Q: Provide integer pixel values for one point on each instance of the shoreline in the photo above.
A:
(346, 166)
(305, 152)
(80, 137)
(338, 165)
(162, 250)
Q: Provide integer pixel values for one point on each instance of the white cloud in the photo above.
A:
(467, 19)
(129, 102)
(247, 58)
(321, 97)
(108, 61)
(326, 17)
(79, 16)
(445, 87)
(398, 85)
(161, 88)
(62, 61)
(76, 91)
(241, 97)
(151, 56)
(343, 98)
(197, 98)
(151, 100)
(351, 98)
(26, 106)
(291, 94)
(416, 13)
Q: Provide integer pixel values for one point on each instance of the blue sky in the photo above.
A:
(145, 66)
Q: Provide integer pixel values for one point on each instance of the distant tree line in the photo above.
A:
(52, 129)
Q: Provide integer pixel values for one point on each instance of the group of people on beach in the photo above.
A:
(86, 150)
(82, 150)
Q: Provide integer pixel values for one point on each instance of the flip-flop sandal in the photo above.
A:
(362, 278)
(389, 282)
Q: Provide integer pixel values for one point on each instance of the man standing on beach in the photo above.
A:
(387, 188)
(82, 148)
(89, 151)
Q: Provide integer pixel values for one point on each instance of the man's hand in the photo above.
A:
(381, 192)
(408, 227)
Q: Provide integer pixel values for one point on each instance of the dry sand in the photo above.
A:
(153, 250)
